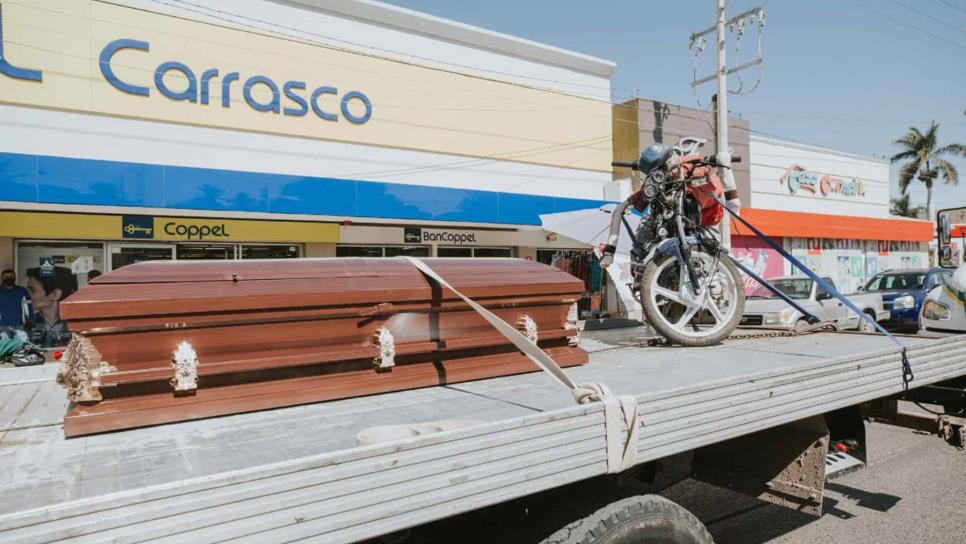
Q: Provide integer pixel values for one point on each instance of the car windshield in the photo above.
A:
(797, 288)
(896, 282)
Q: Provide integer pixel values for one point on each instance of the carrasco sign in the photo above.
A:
(197, 90)
(179, 82)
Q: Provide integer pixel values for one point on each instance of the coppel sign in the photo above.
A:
(261, 93)
(149, 227)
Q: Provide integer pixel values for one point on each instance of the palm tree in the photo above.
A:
(925, 160)
(900, 206)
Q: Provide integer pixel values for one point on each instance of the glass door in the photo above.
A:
(125, 254)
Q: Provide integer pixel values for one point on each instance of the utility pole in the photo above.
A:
(721, 133)
(720, 102)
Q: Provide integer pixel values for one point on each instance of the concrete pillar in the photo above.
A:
(6, 252)
(526, 252)
(320, 250)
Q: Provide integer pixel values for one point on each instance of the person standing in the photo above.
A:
(48, 288)
(15, 307)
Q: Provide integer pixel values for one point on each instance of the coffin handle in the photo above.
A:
(381, 308)
(386, 344)
(185, 362)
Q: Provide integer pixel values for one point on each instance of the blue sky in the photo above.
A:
(836, 73)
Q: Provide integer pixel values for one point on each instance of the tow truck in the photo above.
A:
(310, 474)
(945, 306)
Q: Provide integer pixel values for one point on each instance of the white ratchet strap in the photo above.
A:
(619, 411)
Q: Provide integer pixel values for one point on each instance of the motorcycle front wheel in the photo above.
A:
(687, 316)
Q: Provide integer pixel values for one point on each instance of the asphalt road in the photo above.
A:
(912, 491)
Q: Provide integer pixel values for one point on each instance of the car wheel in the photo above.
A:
(864, 325)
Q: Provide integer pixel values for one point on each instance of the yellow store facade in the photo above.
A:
(137, 129)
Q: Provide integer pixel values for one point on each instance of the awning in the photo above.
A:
(820, 225)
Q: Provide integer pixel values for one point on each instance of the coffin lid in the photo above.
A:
(171, 287)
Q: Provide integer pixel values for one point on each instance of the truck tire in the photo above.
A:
(644, 519)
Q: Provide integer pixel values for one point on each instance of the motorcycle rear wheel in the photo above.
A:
(677, 312)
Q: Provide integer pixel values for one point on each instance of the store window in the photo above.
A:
(409, 251)
(270, 251)
(453, 251)
(478, 252)
(52, 272)
(124, 254)
(381, 251)
(195, 252)
(483, 252)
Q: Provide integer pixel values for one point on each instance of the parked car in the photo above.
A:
(765, 310)
(903, 292)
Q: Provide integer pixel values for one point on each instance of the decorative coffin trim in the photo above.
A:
(81, 369)
(185, 362)
(573, 325)
(384, 340)
(528, 327)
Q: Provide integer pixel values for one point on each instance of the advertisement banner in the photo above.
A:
(759, 258)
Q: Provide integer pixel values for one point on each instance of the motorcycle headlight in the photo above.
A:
(936, 311)
(904, 303)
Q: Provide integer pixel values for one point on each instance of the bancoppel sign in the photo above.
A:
(416, 235)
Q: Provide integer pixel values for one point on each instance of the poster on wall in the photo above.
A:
(871, 265)
(858, 272)
(759, 258)
(814, 246)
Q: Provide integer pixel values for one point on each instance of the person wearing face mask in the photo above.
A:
(15, 307)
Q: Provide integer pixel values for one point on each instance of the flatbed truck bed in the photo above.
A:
(299, 474)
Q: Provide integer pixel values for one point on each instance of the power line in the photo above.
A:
(637, 107)
(926, 15)
(954, 6)
(209, 12)
(907, 25)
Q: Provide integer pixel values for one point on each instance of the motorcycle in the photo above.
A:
(690, 290)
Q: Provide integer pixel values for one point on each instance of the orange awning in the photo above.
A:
(820, 225)
(958, 231)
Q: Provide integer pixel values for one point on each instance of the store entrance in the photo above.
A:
(125, 254)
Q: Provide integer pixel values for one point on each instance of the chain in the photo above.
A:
(751, 334)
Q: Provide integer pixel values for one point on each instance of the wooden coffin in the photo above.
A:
(158, 342)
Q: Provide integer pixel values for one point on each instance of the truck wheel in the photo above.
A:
(644, 519)
(865, 326)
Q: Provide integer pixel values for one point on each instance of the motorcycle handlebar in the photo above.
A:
(633, 165)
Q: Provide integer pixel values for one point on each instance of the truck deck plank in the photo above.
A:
(298, 474)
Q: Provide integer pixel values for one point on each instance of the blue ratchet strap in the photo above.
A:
(811, 318)
(907, 375)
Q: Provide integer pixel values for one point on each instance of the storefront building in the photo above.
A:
(830, 210)
(142, 130)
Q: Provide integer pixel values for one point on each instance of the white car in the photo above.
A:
(944, 309)
(763, 309)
